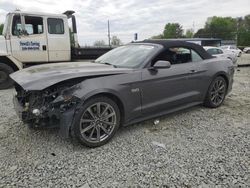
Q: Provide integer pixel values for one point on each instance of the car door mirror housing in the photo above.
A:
(162, 64)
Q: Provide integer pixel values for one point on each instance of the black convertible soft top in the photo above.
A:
(170, 43)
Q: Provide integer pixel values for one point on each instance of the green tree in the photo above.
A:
(1, 29)
(243, 37)
(202, 33)
(189, 33)
(115, 41)
(221, 27)
(99, 43)
(160, 36)
(246, 22)
(224, 28)
(243, 31)
(173, 30)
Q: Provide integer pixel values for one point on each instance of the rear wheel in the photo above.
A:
(216, 93)
(5, 80)
(97, 122)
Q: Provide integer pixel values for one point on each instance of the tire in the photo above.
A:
(216, 93)
(89, 120)
(5, 80)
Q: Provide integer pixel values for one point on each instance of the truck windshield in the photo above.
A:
(129, 56)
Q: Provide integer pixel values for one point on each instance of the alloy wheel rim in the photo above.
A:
(218, 92)
(98, 122)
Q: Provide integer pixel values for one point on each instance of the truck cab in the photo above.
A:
(31, 38)
(34, 37)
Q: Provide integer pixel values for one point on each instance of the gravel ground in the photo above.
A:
(244, 59)
(198, 147)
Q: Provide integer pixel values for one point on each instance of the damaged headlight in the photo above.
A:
(66, 95)
(66, 99)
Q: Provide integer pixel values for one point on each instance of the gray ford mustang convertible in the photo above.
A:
(129, 84)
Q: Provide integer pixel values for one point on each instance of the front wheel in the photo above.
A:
(96, 122)
(216, 92)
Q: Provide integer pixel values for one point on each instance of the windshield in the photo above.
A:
(129, 56)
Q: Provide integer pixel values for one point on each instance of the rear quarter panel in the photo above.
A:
(218, 67)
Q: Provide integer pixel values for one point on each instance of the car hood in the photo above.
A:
(42, 76)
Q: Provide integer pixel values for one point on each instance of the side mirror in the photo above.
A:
(25, 32)
(18, 33)
(21, 32)
(162, 65)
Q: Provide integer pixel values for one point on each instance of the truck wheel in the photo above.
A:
(96, 122)
(5, 80)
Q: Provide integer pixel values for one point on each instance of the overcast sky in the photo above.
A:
(145, 17)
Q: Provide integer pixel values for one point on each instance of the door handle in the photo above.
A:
(193, 71)
(44, 47)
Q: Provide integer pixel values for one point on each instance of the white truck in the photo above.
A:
(31, 38)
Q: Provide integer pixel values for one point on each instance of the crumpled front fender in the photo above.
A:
(66, 122)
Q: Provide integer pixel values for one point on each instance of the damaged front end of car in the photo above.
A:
(52, 107)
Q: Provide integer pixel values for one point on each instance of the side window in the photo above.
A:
(33, 25)
(219, 51)
(175, 55)
(178, 55)
(212, 51)
(195, 56)
(16, 25)
(55, 26)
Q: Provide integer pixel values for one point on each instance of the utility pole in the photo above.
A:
(108, 33)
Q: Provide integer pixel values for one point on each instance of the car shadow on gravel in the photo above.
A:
(51, 137)
(150, 125)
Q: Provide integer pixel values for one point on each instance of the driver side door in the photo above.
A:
(170, 88)
(28, 39)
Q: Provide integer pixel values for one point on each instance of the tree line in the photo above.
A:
(225, 28)
(115, 41)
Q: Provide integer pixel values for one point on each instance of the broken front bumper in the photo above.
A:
(22, 114)
(65, 119)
